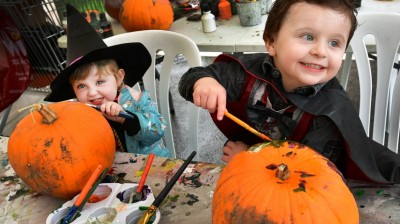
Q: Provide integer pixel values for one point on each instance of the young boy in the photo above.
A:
(101, 76)
(291, 92)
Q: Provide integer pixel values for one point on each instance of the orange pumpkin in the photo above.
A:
(282, 182)
(55, 149)
(138, 15)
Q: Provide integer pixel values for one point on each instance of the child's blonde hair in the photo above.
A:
(105, 67)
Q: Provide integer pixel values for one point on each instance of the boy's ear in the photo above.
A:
(270, 47)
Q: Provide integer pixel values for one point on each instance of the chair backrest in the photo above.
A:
(171, 44)
(385, 28)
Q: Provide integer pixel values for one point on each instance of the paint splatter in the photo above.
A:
(360, 193)
(133, 160)
(192, 199)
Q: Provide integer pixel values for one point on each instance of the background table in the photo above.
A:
(230, 36)
(189, 201)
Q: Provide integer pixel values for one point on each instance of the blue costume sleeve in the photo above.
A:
(152, 124)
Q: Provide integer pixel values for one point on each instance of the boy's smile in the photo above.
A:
(309, 48)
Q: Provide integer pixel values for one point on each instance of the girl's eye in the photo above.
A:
(81, 86)
(308, 37)
(100, 82)
(334, 43)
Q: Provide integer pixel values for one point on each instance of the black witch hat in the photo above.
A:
(84, 46)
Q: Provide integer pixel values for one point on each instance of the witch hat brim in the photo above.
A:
(84, 46)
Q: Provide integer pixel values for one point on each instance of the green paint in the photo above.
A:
(143, 208)
(379, 192)
(300, 189)
(173, 198)
(8, 178)
(19, 193)
(359, 193)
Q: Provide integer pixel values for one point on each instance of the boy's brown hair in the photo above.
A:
(280, 9)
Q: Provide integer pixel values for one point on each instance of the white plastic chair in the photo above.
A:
(385, 28)
(172, 44)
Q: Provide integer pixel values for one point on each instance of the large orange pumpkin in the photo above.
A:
(56, 149)
(138, 15)
(282, 182)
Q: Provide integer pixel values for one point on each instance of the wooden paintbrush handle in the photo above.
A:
(246, 126)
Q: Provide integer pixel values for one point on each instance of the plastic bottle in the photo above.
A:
(208, 21)
(105, 26)
(94, 22)
(233, 7)
(224, 8)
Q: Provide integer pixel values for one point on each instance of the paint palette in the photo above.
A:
(109, 203)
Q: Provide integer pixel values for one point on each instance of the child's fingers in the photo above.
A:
(221, 107)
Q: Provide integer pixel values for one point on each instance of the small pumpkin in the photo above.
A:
(138, 15)
(282, 182)
(56, 148)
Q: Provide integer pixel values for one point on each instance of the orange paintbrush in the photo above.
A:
(246, 126)
(137, 195)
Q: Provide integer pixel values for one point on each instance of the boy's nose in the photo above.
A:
(319, 50)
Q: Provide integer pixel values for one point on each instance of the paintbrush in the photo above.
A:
(246, 126)
(153, 207)
(83, 194)
(137, 195)
(89, 195)
(122, 114)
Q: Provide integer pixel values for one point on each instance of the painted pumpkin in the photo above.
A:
(282, 182)
(138, 15)
(57, 147)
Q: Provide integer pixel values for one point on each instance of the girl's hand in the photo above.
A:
(111, 111)
(209, 94)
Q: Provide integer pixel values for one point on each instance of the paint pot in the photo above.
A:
(249, 13)
(110, 209)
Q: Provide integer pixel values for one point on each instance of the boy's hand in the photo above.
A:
(209, 94)
(111, 111)
(231, 149)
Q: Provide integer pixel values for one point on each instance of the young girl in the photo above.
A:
(291, 92)
(101, 84)
(99, 75)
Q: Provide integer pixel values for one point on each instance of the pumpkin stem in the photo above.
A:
(48, 115)
(283, 172)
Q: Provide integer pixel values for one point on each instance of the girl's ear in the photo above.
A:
(120, 76)
(269, 44)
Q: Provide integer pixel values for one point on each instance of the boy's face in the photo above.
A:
(309, 47)
(98, 88)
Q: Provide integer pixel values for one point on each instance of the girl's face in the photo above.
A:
(98, 88)
(310, 45)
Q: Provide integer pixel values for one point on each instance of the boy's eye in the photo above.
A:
(308, 37)
(334, 43)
